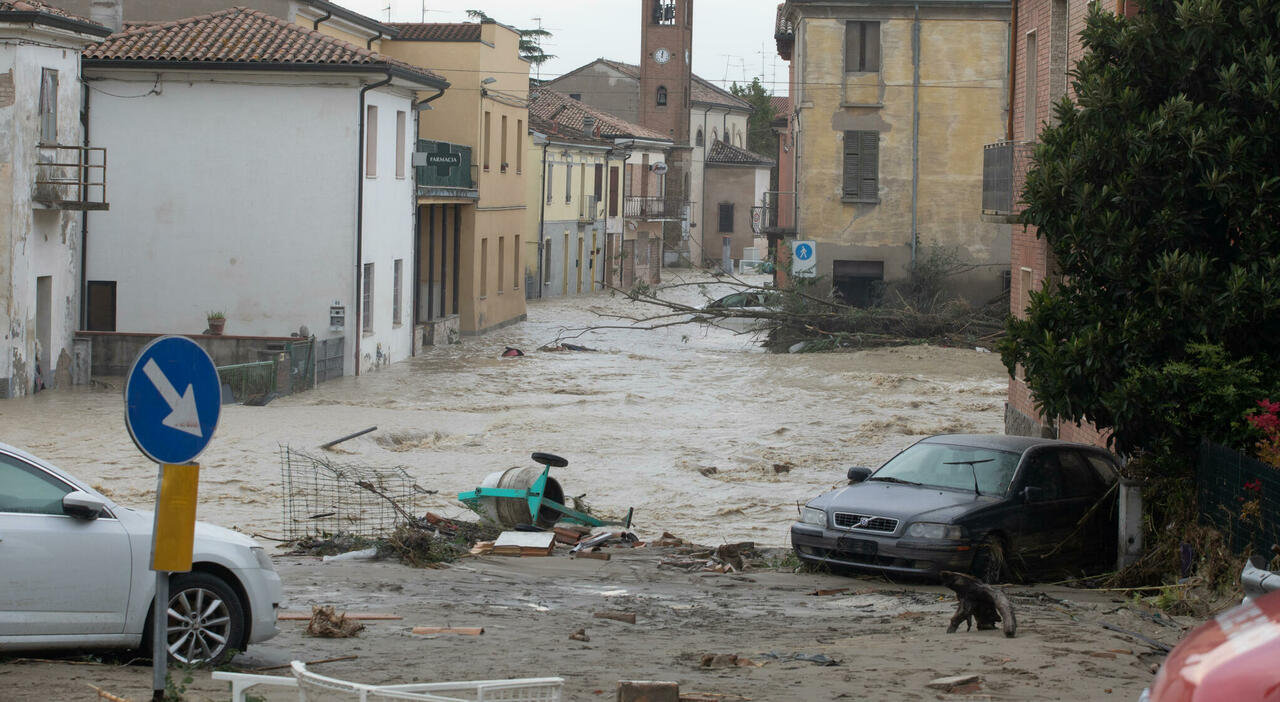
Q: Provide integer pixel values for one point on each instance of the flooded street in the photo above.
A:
(698, 429)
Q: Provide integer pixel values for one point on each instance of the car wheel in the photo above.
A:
(989, 563)
(206, 620)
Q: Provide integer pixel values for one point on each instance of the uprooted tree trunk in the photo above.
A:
(977, 600)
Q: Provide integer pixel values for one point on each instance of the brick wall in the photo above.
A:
(1030, 259)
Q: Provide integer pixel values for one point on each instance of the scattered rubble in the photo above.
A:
(328, 624)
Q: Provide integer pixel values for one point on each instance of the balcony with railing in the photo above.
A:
(442, 169)
(588, 209)
(778, 212)
(1004, 171)
(653, 208)
(70, 178)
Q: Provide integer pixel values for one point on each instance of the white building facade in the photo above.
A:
(40, 211)
(278, 192)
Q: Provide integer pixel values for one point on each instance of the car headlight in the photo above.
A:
(932, 530)
(811, 515)
(264, 561)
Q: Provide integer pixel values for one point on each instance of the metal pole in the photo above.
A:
(160, 635)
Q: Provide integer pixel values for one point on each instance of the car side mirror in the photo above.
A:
(82, 505)
(1031, 493)
(858, 474)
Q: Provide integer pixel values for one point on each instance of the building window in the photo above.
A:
(366, 300)
(662, 96)
(551, 180)
(715, 134)
(519, 146)
(49, 106)
(487, 140)
(502, 257)
(101, 305)
(861, 166)
(503, 141)
(575, 96)
(1024, 292)
(726, 217)
(371, 141)
(664, 11)
(568, 182)
(858, 283)
(397, 278)
(698, 140)
(1032, 71)
(484, 267)
(861, 47)
(400, 123)
(515, 263)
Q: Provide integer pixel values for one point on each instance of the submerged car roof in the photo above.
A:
(1000, 442)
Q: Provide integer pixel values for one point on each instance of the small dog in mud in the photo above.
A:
(977, 600)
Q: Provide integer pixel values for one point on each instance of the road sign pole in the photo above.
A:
(160, 636)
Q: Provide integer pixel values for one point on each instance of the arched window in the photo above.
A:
(715, 134)
(662, 95)
(737, 137)
(698, 139)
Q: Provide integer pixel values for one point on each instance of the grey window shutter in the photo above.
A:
(869, 168)
(852, 150)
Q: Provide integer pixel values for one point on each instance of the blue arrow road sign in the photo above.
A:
(804, 252)
(172, 400)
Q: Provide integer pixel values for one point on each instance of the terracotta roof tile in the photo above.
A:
(43, 8)
(724, 153)
(438, 31)
(781, 105)
(240, 35)
(702, 90)
(566, 114)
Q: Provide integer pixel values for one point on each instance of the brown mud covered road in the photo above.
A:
(698, 430)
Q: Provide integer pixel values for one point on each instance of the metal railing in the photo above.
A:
(71, 177)
(588, 209)
(1004, 170)
(778, 213)
(643, 207)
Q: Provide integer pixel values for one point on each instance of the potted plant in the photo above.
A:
(217, 320)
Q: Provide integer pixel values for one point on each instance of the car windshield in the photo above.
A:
(947, 466)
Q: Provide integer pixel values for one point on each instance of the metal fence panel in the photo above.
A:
(1228, 481)
(329, 359)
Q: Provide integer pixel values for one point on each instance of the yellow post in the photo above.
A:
(175, 520)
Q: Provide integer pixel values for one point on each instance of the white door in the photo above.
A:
(59, 575)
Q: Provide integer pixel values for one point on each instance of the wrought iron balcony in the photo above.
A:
(778, 213)
(648, 207)
(441, 167)
(70, 178)
(1004, 171)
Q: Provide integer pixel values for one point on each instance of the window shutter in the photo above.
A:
(726, 217)
(869, 171)
(862, 165)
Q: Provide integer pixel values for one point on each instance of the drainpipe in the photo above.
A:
(84, 214)
(358, 300)
(315, 25)
(1013, 64)
(915, 132)
(542, 214)
(369, 44)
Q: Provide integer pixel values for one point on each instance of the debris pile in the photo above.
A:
(326, 623)
(725, 558)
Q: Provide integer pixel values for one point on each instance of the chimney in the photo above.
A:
(588, 125)
(108, 13)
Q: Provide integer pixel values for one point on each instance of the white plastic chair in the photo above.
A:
(313, 687)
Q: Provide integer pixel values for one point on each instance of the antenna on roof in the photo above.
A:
(387, 9)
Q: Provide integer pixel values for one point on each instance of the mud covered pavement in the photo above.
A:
(883, 640)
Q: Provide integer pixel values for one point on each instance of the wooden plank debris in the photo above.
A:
(461, 630)
(368, 616)
(627, 617)
(525, 543)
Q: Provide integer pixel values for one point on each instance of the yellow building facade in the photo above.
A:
(470, 253)
(893, 104)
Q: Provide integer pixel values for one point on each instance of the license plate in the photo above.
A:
(862, 547)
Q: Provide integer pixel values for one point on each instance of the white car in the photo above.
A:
(74, 573)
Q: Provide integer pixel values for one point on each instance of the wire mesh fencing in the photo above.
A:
(1240, 495)
(323, 497)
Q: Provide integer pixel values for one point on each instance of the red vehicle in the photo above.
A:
(1234, 656)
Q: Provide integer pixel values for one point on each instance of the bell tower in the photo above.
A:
(666, 72)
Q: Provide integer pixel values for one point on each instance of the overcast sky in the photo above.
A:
(729, 36)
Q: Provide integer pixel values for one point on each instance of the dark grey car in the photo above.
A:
(971, 503)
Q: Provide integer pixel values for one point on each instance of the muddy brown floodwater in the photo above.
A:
(685, 424)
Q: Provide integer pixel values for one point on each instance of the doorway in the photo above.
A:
(860, 283)
(44, 331)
